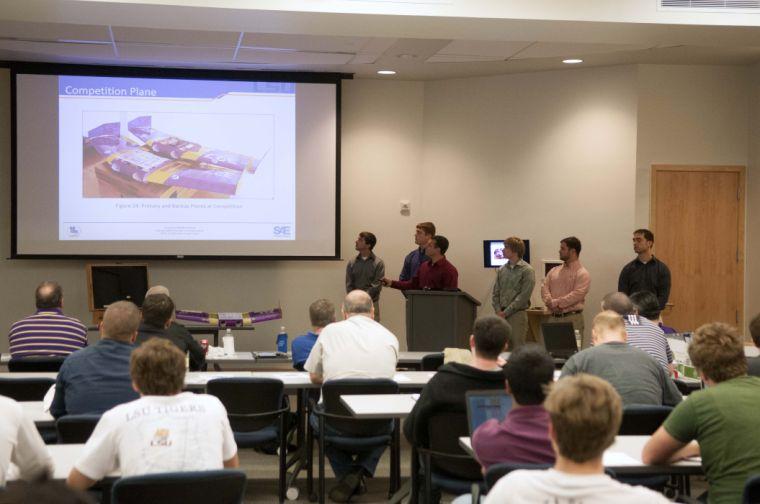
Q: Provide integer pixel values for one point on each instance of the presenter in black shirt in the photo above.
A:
(646, 272)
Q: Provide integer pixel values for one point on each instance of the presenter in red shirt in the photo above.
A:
(434, 274)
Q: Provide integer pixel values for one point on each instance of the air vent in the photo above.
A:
(723, 5)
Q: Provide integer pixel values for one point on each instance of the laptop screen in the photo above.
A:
(559, 339)
(483, 405)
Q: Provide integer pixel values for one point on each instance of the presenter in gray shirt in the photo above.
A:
(366, 270)
(511, 292)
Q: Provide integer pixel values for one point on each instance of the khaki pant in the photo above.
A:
(577, 320)
(519, 323)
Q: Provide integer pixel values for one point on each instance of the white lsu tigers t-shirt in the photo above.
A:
(155, 434)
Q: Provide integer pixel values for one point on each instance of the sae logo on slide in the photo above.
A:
(281, 231)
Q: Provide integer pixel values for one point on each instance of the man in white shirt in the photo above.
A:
(20, 443)
(357, 347)
(585, 414)
(166, 430)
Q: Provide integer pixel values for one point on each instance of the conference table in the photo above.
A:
(624, 458)
(250, 361)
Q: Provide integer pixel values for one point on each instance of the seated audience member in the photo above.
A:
(634, 374)
(157, 315)
(646, 304)
(177, 330)
(96, 378)
(321, 313)
(446, 389)
(48, 332)
(585, 415)
(166, 430)
(753, 363)
(20, 443)
(722, 418)
(357, 347)
(523, 436)
(642, 334)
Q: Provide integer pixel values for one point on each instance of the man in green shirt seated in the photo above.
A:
(722, 418)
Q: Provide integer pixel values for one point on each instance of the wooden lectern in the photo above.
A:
(439, 319)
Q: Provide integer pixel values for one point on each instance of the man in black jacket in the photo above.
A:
(446, 390)
(157, 315)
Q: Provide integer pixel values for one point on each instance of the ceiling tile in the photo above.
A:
(291, 57)
(59, 48)
(304, 42)
(493, 49)
(176, 37)
(173, 53)
(53, 31)
(559, 49)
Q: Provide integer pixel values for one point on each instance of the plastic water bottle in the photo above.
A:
(228, 342)
(282, 341)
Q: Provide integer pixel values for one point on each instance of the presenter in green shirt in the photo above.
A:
(512, 290)
(722, 419)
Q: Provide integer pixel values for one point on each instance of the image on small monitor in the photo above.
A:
(493, 253)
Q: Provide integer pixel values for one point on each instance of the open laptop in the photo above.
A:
(483, 405)
(559, 339)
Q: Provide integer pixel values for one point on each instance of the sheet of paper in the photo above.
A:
(617, 459)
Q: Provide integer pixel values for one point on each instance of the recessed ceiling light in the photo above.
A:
(386, 72)
(572, 61)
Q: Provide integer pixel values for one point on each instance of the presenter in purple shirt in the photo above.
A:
(423, 233)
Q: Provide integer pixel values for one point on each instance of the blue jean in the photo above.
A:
(345, 462)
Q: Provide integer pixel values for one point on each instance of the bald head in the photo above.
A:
(48, 295)
(358, 302)
(120, 322)
(618, 302)
(157, 289)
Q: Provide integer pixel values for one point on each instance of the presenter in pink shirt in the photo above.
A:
(565, 288)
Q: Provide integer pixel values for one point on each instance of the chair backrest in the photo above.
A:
(431, 362)
(751, 494)
(498, 471)
(73, 429)
(35, 364)
(642, 419)
(444, 431)
(247, 396)
(25, 389)
(687, 388)
(333, 389)
(197, 487)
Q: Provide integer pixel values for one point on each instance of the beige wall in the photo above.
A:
(541, 155)
(752, 242)
(697, 115)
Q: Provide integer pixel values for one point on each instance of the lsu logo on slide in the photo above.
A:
(281, 231)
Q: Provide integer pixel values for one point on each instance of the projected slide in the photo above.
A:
(163, 159)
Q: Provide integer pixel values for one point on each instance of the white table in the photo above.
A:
(64, 457)
(624, 457)
(380, 405)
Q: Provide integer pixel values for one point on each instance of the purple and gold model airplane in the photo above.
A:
(229, 319)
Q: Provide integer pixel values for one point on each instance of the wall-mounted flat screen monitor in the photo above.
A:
(130, 162)
(493, 253)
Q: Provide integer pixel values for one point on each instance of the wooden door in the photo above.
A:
(697, 216)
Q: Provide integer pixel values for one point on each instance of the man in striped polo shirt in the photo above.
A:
(642, 333)
(49, 331)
